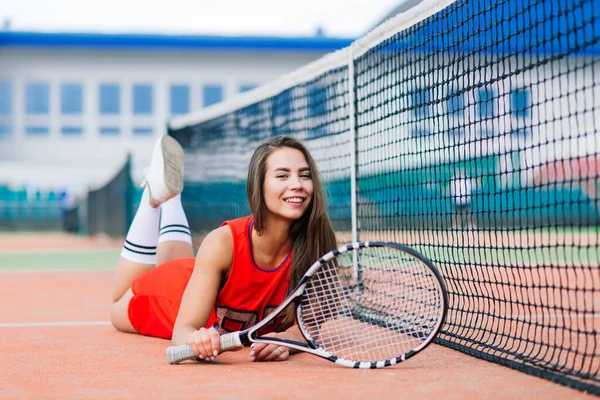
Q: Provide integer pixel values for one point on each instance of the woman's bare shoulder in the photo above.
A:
(217, 248)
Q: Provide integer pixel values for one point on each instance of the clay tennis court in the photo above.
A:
(58, 343)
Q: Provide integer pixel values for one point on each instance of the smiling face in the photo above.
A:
(288, 184)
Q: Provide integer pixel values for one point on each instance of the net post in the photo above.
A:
(353, 157)
(354, 138)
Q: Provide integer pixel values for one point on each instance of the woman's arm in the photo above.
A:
(271, 352)
(213, 261)
(293, 333)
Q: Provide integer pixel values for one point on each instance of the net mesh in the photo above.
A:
(472, 131)
(107, 210)
(381, 307)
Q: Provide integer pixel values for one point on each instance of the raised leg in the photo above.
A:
(163, 182)
(175, 239)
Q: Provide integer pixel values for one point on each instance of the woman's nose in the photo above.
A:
(295, 183)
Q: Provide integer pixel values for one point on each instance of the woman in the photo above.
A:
(243, 269)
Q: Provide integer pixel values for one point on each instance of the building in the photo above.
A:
(73, 105)
(401, 7)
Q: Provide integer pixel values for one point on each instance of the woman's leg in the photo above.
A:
(137, 257)
(163, 181)
(175, 239)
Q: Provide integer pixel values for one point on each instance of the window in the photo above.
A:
(317, 101)
(486, 103)
(212, 94)
(248, 121)
(71, 130)
(37, 130)
(456, 104)
(5, 98)
(37, 98)
(520, 132)
(520, 103)
(37, 102)
(110, 130)
(71, 98)
(282, 109)
(247, 87)
(180, 99)
(419, 131)
(420, 103)
(317, 110)
(143, 130)
(5, 108)
(282, 103)
(142, 99)
(456, 134)
(110, 99)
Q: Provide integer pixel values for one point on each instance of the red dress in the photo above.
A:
(249, 294)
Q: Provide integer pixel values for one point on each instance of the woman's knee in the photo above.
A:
(127, 272)
(171, 250)
(119, 313)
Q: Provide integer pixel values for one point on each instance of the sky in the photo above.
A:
(337, 18)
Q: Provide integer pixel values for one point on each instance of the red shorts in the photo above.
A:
(157, 296)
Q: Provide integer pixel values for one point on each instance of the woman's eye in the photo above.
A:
(281, 176)
(306, 176)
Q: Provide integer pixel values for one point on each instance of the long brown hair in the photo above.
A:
(312, 234)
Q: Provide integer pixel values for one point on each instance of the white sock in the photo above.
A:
(173, 222)
(142, 237)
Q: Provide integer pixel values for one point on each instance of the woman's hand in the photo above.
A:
(205, 343)
(269, 352)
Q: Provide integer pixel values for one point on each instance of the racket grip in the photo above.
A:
(177, 354)
(230, 341)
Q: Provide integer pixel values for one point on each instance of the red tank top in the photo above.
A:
(250, 292)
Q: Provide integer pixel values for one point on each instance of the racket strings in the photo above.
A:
(374, 305)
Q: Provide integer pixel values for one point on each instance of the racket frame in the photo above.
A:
(233, 340)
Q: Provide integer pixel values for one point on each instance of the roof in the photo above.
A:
(23, 39)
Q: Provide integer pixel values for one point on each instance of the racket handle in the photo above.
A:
(230, 341)
(177, 354)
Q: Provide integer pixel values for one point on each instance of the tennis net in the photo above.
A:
(465, 129)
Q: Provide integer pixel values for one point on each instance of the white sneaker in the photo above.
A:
(164, 178)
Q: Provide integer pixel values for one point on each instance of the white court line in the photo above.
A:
(59, 251)
(572, 315)
(53, 324)
(52, 270)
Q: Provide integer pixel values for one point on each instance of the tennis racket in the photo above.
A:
(364, 305)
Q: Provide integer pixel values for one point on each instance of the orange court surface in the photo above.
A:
(57, 342)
